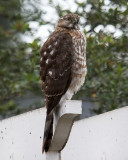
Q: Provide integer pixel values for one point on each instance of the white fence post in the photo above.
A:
(64, 117)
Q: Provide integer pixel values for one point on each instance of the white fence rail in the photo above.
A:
(102, 137)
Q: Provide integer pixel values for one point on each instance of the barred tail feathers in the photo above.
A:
(51, 103)
(48, 132)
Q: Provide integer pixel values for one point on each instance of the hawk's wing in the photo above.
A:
(55, 67)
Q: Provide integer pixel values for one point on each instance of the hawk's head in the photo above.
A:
(69, 21)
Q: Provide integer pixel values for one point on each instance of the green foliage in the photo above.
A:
(107, 55)
(107, 71)
(19, 61)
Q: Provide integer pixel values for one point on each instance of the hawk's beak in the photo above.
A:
(77, 27)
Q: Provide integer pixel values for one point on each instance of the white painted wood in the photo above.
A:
(64, 117)
(102, 137)
(63, 120)
(53, 155)
(21, 136)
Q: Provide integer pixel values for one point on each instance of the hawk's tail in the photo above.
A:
(48, 131)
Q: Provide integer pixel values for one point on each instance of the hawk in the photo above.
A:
(62, 67)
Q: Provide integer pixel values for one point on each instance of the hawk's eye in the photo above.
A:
(69, 19)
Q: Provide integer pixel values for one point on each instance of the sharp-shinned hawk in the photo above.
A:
(62, 67)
